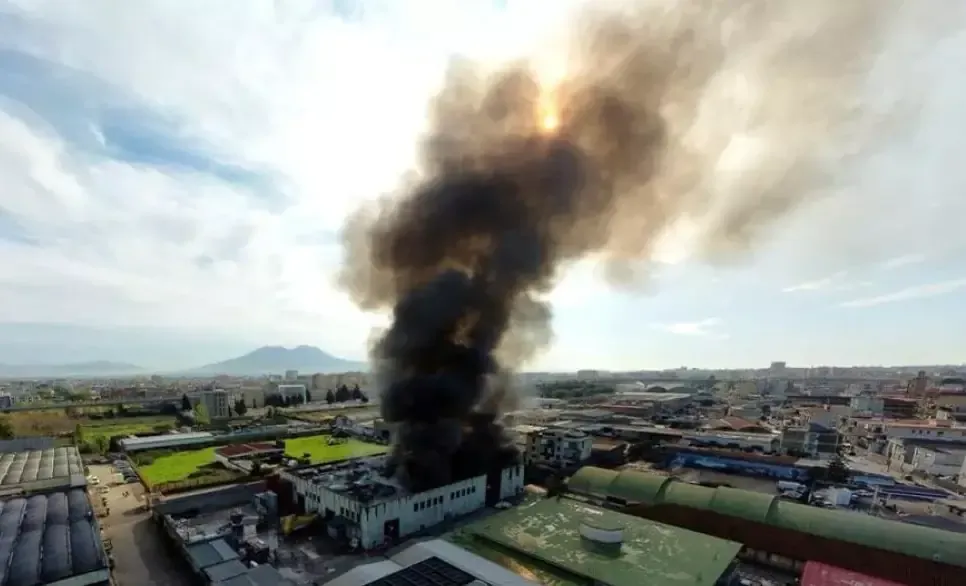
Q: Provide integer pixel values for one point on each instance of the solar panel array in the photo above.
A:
(20, 467)
(429, 572)
(44, 538)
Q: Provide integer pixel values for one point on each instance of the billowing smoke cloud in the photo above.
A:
(724, 115)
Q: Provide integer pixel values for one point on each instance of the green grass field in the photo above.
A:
(176, 466)
(179, 466)
(319, 450)
(107, 427)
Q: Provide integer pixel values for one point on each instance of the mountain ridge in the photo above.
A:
(278, 359)
(81, 369)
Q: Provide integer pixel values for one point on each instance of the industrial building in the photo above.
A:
(225, 536)
(784, 534)
(51, 539)
(165, 441)
(435, 562)
(46, 469)
(565, 541)
(363, 507)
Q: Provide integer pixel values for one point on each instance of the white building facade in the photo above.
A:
(376, 521)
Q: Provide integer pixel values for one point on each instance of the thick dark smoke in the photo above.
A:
(725, 115)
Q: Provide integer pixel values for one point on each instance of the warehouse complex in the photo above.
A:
(50, 539)
(583, 543)
(47, 468)
(784, 533)
(361, 505)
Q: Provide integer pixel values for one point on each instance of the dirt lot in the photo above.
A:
(141, 556)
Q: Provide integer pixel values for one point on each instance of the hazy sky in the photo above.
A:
(174, 174)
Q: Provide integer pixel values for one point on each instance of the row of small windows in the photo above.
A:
(438, 500)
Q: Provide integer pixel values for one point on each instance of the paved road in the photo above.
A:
(141, 556)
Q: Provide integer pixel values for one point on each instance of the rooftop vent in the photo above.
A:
(601, 536)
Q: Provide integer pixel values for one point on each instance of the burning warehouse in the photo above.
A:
(363, 506)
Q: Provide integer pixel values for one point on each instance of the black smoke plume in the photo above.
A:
(519, 177)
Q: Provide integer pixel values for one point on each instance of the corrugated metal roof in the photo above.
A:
(816, 574)
(32, 465)
(47, 538)
(166, 439)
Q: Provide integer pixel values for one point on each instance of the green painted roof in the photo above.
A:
(635, 486)
(591, 480)
(652, 553)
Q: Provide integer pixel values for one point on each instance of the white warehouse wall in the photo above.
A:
(415, 512)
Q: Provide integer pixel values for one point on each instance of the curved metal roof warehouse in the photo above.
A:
(632, 487)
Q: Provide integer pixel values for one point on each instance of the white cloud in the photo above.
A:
(328, 107)
(705, 327)
(904, 260)
(910, 293)
(816, 284)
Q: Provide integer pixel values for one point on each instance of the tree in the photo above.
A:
(6, 430)
(329, 397)
(308, 396)
(363, 398)
(342, 394)
(201, 414)
(78, 434)
(185, 402)
(254, 404)
(356, 393)
(240, 407)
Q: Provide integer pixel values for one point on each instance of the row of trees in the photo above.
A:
(343, 394)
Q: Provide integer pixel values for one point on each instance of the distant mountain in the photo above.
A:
(80, 369)
(276, 360)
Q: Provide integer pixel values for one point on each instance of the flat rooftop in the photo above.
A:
(360, 479)
(651, 553)
(19, 468)
(50, 537)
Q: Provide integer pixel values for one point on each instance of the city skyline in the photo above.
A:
(176, 180)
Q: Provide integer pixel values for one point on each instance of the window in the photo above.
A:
(415, 507)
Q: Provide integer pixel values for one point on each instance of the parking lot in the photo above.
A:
(140, 555)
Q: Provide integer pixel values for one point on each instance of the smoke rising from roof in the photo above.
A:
(726, 115)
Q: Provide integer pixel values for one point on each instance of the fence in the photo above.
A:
(27, 443)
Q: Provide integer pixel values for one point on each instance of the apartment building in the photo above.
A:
(216, 403)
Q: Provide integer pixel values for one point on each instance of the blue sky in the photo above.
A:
(175, 176)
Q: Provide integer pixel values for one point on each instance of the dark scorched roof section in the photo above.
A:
(44, 538)
(20, 467)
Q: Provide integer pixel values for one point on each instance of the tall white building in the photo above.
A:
(216, 403)
(361, 505)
